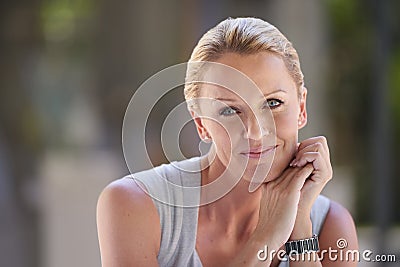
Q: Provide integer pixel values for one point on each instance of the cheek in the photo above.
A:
(287, 134)
(219, 134)
(225, 132)
(226, 138)
(286, 126)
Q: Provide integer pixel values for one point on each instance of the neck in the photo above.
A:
(237, 210)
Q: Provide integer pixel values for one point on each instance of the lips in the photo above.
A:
(259, 152)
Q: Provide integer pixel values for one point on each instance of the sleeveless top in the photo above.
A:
(177, 207)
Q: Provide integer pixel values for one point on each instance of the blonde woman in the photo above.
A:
(275, 205)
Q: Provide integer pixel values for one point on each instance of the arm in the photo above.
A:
(128, 226)
(338, 223)
(277, 215)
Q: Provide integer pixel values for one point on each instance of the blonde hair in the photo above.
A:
(242, 36)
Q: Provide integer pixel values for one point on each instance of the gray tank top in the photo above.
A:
(178, 210)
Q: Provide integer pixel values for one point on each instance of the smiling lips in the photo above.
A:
(259, 152)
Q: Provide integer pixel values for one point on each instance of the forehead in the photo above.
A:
(247, 76)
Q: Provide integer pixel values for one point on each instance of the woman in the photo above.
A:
(276, 199)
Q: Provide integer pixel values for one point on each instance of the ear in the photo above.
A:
(302, 121)
(201, 130)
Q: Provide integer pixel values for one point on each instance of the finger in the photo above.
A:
(316, 147)
(312, 140)
(311, 185)
(322, 168)
(286, 176)
(314, 158)
(300, 177)
(294, 173)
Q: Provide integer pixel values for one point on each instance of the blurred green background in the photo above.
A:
(68, 69)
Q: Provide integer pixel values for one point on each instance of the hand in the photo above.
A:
(313, 151)
(279, 205)
(286, 202)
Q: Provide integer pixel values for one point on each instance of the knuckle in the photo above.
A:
(300, 174)
(324, 141)
(319, 146)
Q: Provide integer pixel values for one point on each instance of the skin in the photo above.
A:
(233, 229)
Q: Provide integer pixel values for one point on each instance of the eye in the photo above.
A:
(228, 111)
(273, 103)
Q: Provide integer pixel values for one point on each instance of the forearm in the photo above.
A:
(303, 230)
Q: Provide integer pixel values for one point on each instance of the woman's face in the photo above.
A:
(252, 126)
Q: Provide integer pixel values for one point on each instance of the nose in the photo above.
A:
(257, 127)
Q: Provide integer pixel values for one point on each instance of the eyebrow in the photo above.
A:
(265, 95)
(276, 91)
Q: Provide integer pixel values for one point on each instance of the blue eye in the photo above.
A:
(273, 103)
(228, 111)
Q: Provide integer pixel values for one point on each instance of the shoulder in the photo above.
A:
(127, 194)
(338, 228)
(126, 200)
(128, 224)
(338, 220)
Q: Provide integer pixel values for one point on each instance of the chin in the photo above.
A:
(272, 176)
(257, 170)
(278, 168)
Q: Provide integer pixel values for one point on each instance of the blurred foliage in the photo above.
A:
(350, 86)
(349, 76)
(394, 98)
(394, 83)
(69, 24)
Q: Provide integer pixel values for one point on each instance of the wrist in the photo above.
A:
(302, 228)
(301, 246)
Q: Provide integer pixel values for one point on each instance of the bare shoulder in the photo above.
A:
(127, 195)
(338, 229)
(339, 220)
(128, 225)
